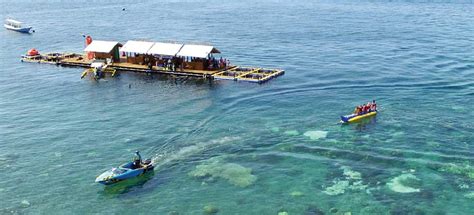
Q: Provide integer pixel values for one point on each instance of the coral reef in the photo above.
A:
(405, 183)
(296, 194)
(469, 195)
(210, 209)
(465, 170)
(338, 187)
(292, 132)
(233, 173)
(275, 129)
(352, 181)
(350, 174)
(313, 210)
(316, 135)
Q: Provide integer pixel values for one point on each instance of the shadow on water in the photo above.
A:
(169, 79)
(134, 80)
(130, 186)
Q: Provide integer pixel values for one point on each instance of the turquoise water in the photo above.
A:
(242, 148)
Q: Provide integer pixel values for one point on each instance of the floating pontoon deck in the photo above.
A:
(134, 53)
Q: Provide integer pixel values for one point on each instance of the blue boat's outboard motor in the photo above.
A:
(147, 161)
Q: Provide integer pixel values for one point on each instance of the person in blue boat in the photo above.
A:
(137, 161)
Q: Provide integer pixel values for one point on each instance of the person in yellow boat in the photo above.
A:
(373, 106)
(356, 110)
(368, 107)
(359, 110)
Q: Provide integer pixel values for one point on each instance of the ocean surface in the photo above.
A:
(240, 148)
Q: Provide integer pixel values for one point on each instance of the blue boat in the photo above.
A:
(126, 171)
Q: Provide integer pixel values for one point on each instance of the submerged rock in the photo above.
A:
(292, 132)
(25, 203)
(313, 210)
(282, 213)
(469, 195)
(275, 129)
(316, 135)
(339, 187)
(238, 175)
(405, 183)
(358, 185)
(463, 186)
(352, 181)
(233, 173)
(350, 174)
(465, 170)
(296, 194)
(210, 209)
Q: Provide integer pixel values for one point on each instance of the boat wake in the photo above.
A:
(168, 158)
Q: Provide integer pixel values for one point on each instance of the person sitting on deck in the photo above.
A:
(221, 63)
(169, 64)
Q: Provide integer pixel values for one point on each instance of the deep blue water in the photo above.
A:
(58, 132)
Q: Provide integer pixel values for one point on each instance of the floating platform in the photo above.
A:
(236, 73)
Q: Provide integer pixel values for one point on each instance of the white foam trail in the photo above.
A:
(167, 157)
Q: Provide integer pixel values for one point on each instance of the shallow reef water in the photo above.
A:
(234, 173)
(226, 147)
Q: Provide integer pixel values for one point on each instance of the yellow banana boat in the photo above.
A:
(355, 118)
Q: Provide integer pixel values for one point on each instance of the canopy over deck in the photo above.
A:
(139, 47)
(12, 21)
(199, 51)
(100, 46)
(165, 49)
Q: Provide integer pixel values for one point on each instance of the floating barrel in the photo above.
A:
(32, 52)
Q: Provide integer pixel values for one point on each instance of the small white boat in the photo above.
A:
(14, 25)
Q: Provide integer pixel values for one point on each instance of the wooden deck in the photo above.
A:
(236, 73)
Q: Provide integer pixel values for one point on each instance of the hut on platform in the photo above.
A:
(198, 57)
(137, 52)
(103, 50)
(162, 52)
